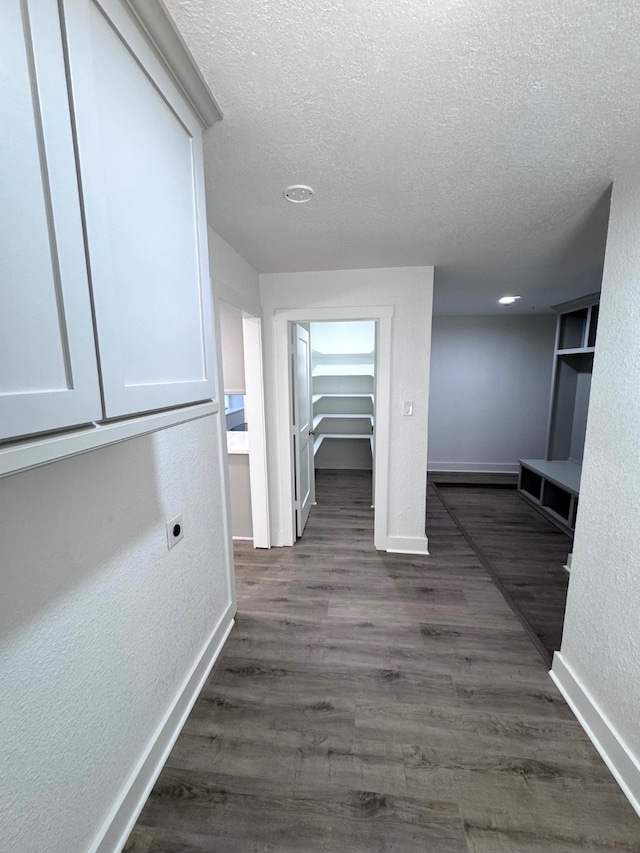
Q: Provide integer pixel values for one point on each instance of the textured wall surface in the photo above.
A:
(410, 291)
(240, 495)
(231, 343)
(99, 623)
(601, 640)
(489, 389)
(235, 280)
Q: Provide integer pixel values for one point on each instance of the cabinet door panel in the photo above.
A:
(140, 153)
(48, 375)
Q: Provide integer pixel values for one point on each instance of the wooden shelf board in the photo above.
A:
(342, 394)
(320, 438)
(576, 351)
(335, 417)
(366, 436)
(560, 472)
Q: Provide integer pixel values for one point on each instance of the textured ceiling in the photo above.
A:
(480, 136)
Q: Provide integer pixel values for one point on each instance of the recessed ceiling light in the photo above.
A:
(508, 300)
(298, 193)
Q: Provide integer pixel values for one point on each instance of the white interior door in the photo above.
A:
(302, 435)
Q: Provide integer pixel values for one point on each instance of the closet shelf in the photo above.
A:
(343, 399)
(320, 438)
(343, 370)
(338, 417)
(576, 351)
(342, 394)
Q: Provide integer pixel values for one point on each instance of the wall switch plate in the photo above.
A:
(175, 531)
(407, 408)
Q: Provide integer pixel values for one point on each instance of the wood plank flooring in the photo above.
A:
(369, 702)
(524, 550)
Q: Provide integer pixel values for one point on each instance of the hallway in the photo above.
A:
(370, 702)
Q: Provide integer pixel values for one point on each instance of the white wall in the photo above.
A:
(234, 279)
(490, 389)
(236, 289)
(101, 625)
(409, 290)
(240, 495)
(345, 337)
(600, 655)
(231, 343)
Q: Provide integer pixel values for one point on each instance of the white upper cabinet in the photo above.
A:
(140, 153)
(48, 373)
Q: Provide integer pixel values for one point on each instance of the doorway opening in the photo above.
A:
(242, 376)
(333, 408)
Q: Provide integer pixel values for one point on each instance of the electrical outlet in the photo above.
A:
(175, 531)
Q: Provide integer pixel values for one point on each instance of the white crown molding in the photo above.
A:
(155, 20)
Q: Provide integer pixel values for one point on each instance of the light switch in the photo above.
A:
(407, 408)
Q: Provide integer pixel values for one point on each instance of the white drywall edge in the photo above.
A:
(120, 822)
(621, 762)
(40, 451)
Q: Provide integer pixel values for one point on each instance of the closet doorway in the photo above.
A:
(347, 414)
(333, 368)
(244, 402)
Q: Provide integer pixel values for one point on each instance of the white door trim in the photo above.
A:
(382, 314)
(256, 434)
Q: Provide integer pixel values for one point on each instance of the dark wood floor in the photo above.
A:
(369, 702)
(524, 550)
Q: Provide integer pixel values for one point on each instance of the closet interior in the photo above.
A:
(343, 394)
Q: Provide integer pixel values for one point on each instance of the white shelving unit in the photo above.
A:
(343, 410)
(552, 485)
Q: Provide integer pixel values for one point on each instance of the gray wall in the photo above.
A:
(232, 346)
(490, 386)
(240, 495)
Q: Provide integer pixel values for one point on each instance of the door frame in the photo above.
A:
(256, 434)
(254, 407)
(382, 315)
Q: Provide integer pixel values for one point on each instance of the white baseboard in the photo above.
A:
(473, 467)
(405, 545)
(624, 766)
(118, 826)
(242, 538)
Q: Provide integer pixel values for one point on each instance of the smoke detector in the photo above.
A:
(298, 193)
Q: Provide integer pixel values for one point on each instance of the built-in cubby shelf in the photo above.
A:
(552, 485)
